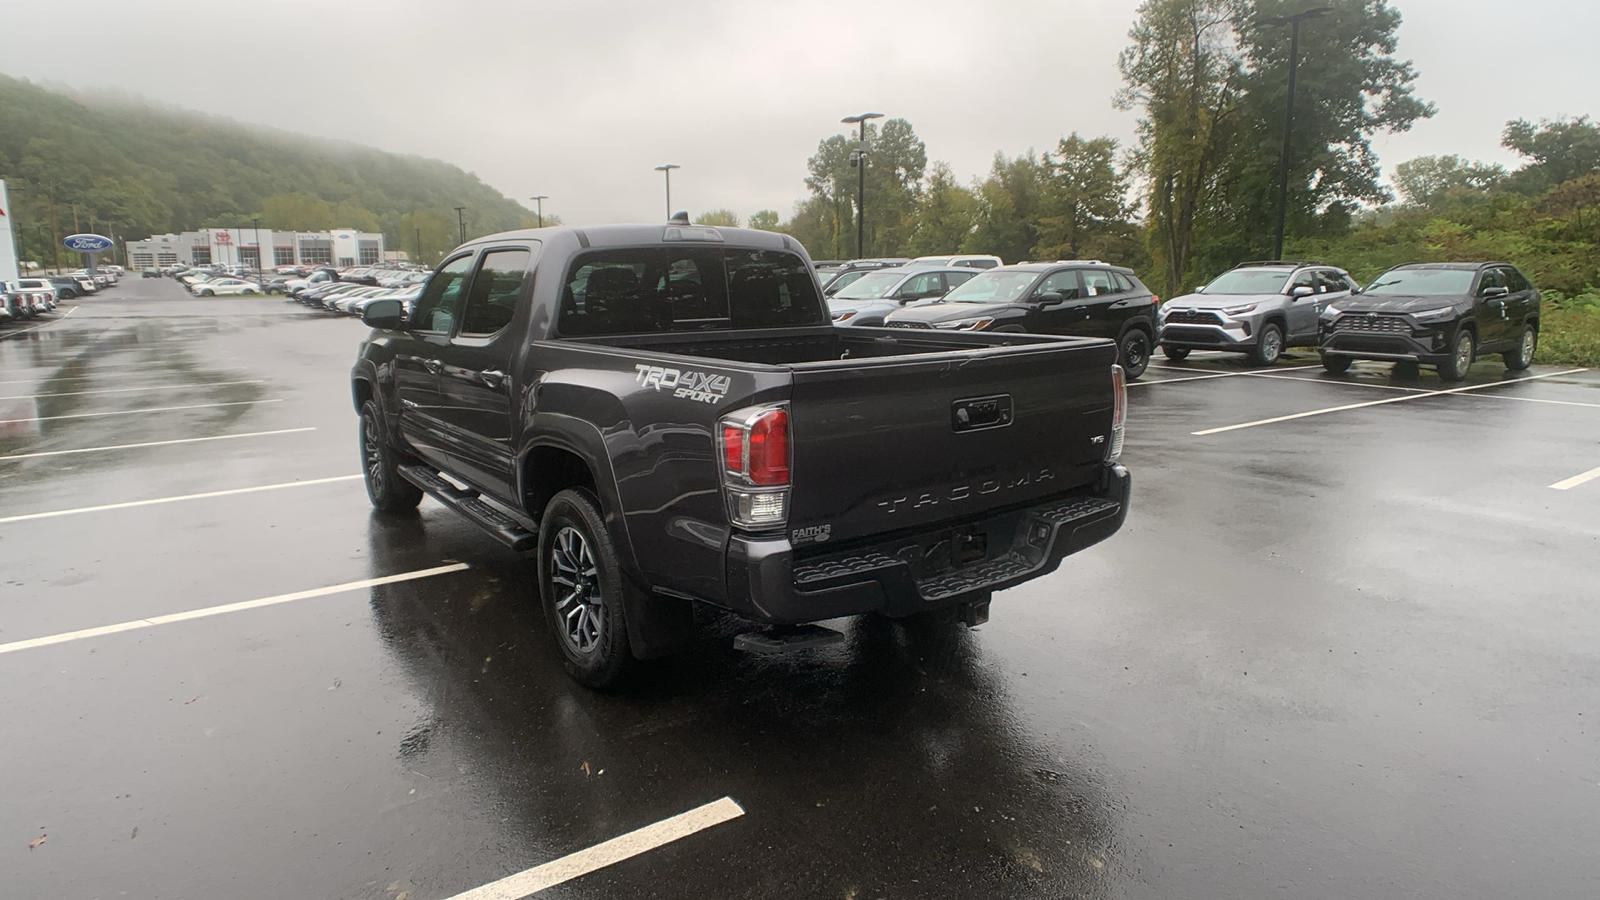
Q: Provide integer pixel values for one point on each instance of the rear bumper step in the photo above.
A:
(466, 502)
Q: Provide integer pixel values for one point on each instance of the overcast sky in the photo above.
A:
(582, 100)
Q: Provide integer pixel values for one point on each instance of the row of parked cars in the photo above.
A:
(349, 292)
(1441, 314)
(29, 298)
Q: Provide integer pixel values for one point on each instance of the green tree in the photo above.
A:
(296, 212)
(428, 234)
(1441, 180)
(1085, 208)
(764, 220)
(895, 163)
(1184, 74)
(724, 217)
(1009, 204)
(815, 224)
(1557, 151)
(946, 213)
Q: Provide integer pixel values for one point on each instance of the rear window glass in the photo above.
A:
(647, 289)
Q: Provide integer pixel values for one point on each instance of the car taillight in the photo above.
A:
(1119, 413)
(755, 465)
(1155, 300)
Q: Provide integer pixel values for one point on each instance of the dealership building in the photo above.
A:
(243, 247)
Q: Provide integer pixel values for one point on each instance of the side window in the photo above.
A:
(1304, 279)
(1516, 282)
(435, 310)
(1491, 278)
(1124, 286)
(1097, 282)
(924, 285)
(951, 279)
(495, 290)
(1064, 282)
(1330, 283)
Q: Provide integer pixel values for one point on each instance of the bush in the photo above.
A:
(1570, 336)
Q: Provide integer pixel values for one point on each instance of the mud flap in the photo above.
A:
(658, 625)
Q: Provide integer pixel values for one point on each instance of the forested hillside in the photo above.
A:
(134, 169)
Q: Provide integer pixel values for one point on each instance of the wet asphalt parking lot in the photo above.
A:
(1347, 650)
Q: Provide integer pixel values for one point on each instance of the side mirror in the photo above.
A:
(385, 314)
(1302, 290)
(1495, 293)
(1200, 289)
(1049, 298)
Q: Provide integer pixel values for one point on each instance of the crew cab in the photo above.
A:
(665, 416)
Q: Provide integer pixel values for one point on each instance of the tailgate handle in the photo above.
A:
(976, 413)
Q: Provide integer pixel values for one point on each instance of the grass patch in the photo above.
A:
(1569, 337)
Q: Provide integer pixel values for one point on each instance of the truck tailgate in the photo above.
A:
(903, 442)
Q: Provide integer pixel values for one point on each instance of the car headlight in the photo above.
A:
(1239, 310)
(1434, 315)
(840, 317)
(964, 324)
(1330, 312)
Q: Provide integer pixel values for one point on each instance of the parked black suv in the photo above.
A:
(1081, 298)
(1438, 314)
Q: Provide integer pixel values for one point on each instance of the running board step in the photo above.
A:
(466, 502)
(787, 639)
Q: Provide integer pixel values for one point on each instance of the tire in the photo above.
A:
(1336, 365)
(1176, 354)
(1133, 352)
(207, 292)
(379, 467)
(1269, 346)
(1527, 345)
(1464, 349)
(583, 591)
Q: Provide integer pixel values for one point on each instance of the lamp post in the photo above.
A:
(461, 222)
(260, 283)
(666, 170)
(541, 198)
(858, 159)
(1293, 21)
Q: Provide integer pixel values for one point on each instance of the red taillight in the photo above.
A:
(769, 448)
(1155, 300)
(733, 448)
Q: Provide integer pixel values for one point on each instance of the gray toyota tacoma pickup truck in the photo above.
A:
(664, 416)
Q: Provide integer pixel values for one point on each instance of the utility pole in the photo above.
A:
(462, 222)
(667, 171)
(55, 232)
(419, 246)
(260, 262)
(541, 198)
(1293, 21)
(858, 159)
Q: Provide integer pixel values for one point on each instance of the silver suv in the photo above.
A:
(1256, 308)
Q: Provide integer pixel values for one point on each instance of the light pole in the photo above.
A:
(858, 160)
(541, 198)
(260, 282)
(461, 222)
(667, 171)
(1293, 21)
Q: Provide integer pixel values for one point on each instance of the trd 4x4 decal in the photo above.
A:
(685, 383)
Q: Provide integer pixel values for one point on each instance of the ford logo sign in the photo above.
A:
(87, 243)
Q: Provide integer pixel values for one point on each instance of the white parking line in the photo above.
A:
(1205, 375)
(135, 412)
(148, 387)
(627, 846)
(1576, 480)
(64, 317)
(67, 636)
(1334, 409)
(215, 437)
(1385, 387)
(159, 500)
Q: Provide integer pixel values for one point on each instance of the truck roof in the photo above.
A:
(596, 236)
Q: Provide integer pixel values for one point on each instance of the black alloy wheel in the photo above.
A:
(385, 488)
(583, 590)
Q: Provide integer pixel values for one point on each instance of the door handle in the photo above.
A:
(492, 378)
(433, 365)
